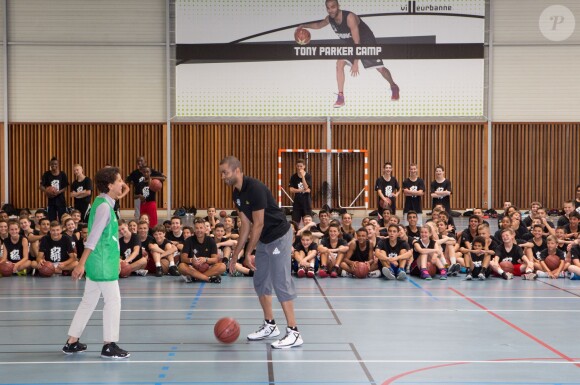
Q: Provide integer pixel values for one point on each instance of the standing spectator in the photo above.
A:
(82, 189)
(300, 183)
(137, 176)
(147, 197)
(441, 189)
(54, 183)
(413, 190)
(387, 188)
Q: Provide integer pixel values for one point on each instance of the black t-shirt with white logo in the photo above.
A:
(126, 248)
(59, 182)
(393, 251)
(544, 254)
(388, 188)
(296, 182)
(438, 187)
(514, 255)
(56, 251)
(85, 185)
(14, 251)
(413, 203)
(142, 188)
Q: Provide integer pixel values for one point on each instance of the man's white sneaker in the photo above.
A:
(265, 331)
(291, 340)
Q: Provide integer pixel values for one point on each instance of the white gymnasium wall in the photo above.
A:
(535, 75)
(87, 60)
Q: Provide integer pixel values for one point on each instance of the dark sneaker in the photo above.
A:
(173, 271)
(468, 277)
(112, 351)
(454, 269)
(339, 101)
(395, 92)
(425, 275)
(159, 271)
(481, 276)
(215, 279)
(443, 275)
(75, 347)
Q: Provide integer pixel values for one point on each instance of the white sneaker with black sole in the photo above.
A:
(292, 339)
(265, 331)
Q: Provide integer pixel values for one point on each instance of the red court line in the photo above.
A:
(405, 374)
(515, 327)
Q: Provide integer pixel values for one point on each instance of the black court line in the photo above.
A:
(328, 302)
(362, 364)
(558, 287)
(271, 380)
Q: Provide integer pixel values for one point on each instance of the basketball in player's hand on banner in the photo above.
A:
(302, 36)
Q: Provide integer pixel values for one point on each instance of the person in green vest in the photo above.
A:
(100, 261)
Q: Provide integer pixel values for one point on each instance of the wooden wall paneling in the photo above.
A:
(543, 164)
(255, 144)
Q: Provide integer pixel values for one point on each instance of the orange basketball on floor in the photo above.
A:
(155, 185)
(6, 268)
(361, 270)
(227, 330)
(125, 270)
(552, 261)
(46, 269)
(302, 36)
(432, 269)
(507, 266)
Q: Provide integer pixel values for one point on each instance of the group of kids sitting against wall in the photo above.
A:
(330, 248)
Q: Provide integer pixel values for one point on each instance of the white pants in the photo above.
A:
(111, 310)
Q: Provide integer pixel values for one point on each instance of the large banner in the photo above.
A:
(390, 58)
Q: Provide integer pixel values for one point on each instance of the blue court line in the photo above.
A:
(189, 314)
(421, 288)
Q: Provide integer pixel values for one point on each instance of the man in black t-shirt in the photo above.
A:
(81, 190)
(270, 234)
(574, 267)
(199, 256)
(54, 183)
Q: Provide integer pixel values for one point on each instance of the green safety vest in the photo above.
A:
(103, 262)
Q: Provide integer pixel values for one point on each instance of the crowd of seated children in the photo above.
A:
(329, 248)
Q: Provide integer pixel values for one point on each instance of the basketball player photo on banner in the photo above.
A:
(337, 58)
